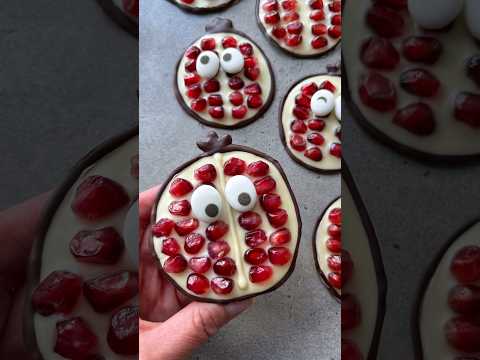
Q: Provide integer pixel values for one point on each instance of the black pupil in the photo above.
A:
(204, 59)
(211, 210)
(227, 57)
(244, 199)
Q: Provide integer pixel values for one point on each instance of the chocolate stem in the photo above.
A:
(214, 143)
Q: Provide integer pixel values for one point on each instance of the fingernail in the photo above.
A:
(233, 309)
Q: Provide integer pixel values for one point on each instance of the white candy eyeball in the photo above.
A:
(472, 13)
(322, 102)
(206, 203)
(207, 64)
(434, 14)
(240, 193)
(232, 61)
(338, 108)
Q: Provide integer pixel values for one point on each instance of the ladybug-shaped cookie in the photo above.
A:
(123, 12)
(224, 79)
(203, 6)
(226, 224)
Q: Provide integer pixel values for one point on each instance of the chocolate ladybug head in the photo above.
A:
(224, 79)
(226, 224)
(203, 6)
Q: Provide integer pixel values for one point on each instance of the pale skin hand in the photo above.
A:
(180, 326)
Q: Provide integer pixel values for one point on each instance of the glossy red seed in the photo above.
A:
(319, 42)
(297, 142)
(302, 100)
(215, 100)
(336, 20)
(385, 21)
(123, 332)
(280, 237)
(467, 108)
(335, 231)
(252, 73)
(419, 82)
(249, 220)
(194, 91)
(347, 266)
(200, 265)
(473, 68)
(279, 32)
(180, 187)
(289, 4)
(216, 112)
(235, 83)
(208, 44)
(74, 339)
(309, 89)
(199, 105)
(211, 86)
(218, 249)
(234, 166)
(290, 16)
(225, 266)
(229, 42)
(163, 227)
(101, 246)
(256, 256)
(179, 207)
(206, 173)
(246, 49)
(277, 218)
(293, 40)
(221, 285)
(316, 4)
(336, 150)
(252, 89)
(191, 66)
(314, 153)
(422, 49)
(464, 299)
(198, 284)
(378, 92)
(272, 17)
(193, 52)
(416, 118)
(258, 168)
(279, 255)
(216, 230)
(334, 262)
(335, 216)
(333, 245)
(295, 28)
(239, 112)
(351, 312)
(317, 15)
(463, 333)
(191, 79)
(319, 29)
(170, 247)
(316, 124)
(301, 112)
(335, 6)
(249, 61)
(265, 185)
(335, 31)
(270, 5)
(236, 98)
(185, 227)
(260, 273)
(193, 243)
(298, 126)
(350, 350)
(175, 264)
(270, 202)
(255, 238)
(315, 138)
(254, 101)
(379, 53)
(465, 266)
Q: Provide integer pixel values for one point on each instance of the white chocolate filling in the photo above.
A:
(204, 4)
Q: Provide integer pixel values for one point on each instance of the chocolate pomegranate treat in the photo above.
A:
(123, 12)
(203, 6)
(226, 224)
(303, 28)
(224, 79)
(363, 281)
(413, 75)
(448, 309)
(83, 281)
(310, 122)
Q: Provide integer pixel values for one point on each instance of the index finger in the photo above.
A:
(146, 199)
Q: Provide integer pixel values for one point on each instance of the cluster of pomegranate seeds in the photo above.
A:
(123, 332)
(101, 246)
(75, 339)
(333, 244)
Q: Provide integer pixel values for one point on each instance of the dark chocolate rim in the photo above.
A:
(203, 11)
(35, 260)
(224, 149)
(427, 277)
(376, 255)
(221, 27)
(119, 17)
(282, 133)
(418, 155)
(277, 45)
(320, 272)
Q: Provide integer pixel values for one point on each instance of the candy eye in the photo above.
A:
(322, 103)
(207, 64)
(232, 61)
(240, 193)
(206, 203)
(338, 108)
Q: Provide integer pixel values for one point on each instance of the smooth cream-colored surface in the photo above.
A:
(204, 4)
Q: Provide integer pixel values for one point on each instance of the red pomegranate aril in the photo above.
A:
(191, 66)
(216, 112)
(298, 126)
(419, 82)
(467, 108)
(316, 124)
(235, 83)
(463, 333)
(252, 73)
(221, 285)
(239, 112)
(101, 246)
(315, 138)
(229, 42)
(336, 150)
(193, 243)
(260, 273)
(270, 5)
(270, 202)
(193, 52)
(422, 49)
(236, 98)
(279, 255)
(218, 249)
(319, 42)
(293, 40)
(185, 227)
(211, 86)
(336, 20)
(289, 4)
(473, 68)
(347, 266)
(316, 4)
(334, 262)
(180, 207)
(199, 265)
(198, 284)
(216, 230)
(249, 220)
(334, 245)
(208, 44)
(206, 173)
(309, 89)
(246, 49)
(465, 266)
(123, 333)
(199, 105)
(350, 350)
(335, 231)
(272, 17)
(57, 293)
(319, 29)
(335, 216)
(194, 91)
(215, 100)
(338, 132)
(191, 79)
(378, 92)
(253, 89)
(170, 247)
(280, 237)
(265, 185)
(385, 21)
(175, 264)
(302, 100)
(379, 53)
(317, 15)
(279, 32)
(258, 168)
(416, 118)
(255, 238)
(277, 218)
(301, 112)
(163, 227)
(256, 256)
(314, 153)
(351, 312)
(295, 28)
(225, 266)
(291, 16)
(74, 339)
(335, 6)
(465, 299)
(297, 142)
(234, 166)
(180, 187)
(254, 101)
(335, 31)
(249, 61)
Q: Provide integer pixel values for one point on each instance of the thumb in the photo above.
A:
(186, 330)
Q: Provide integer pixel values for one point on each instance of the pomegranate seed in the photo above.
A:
(379, 53)
(338, 132)
(463, 334)
(211, 86)
(235, 83)
(417, 118)
(260, 273)
(319, 29)
(297, 142)
(246, 49)
(351, 313)
(163, 227)
(277, 218)
(193, 52)
(193, 243)
(229, 42)
(180, 208)
(180, 187)
(473, 68)
(316, 124)
(309, 89)
(215, 100)
(236, 98)
(191, 66)
(57, 293)
(334, 262)
(254, 101)
(293, 40)
(301, 112)
(335, 31)
(347, 266)
(221, 285)
(265, 185)
(316, 4)
(234, 166)
(419, 82)
(208, 44)
(279, 255)
(336, 20)
(314, 153)
(327, 85)
(270, 202)
(175, 264)
(197, 284)
(280, 237)
(291, 16)
(170, 247)
(317, 15)
(225, 267)
(396, 4)
(102, 246)
(422, 49)
(185, 227)
(258, 168)
(255, 256)
(270, 5)
(194, 91)
(298, 126)
(335, 231)
(74, 339)
(252, 73)
(350, 350)
(216, 230)
(272, 17)
(218, 249)
(467, 108)
(249, 61)
(191, 79)
(123, 332)
(289, 4)
(334, 245)
(385, 21)
(200, 265)
(249, 220)
(255, 238)
(335, 216)
(464, 299)
(316, 138)
(336, 150)
(199, 105)
(106, 292)
(335, 6)
(279, 32)
(465, 266)
(98, 197)
(216, 112)
(319, 42)
(206, 173)
(239, 112)
(253, 89)
(295, 28)
(303, 100)
(378, 92)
